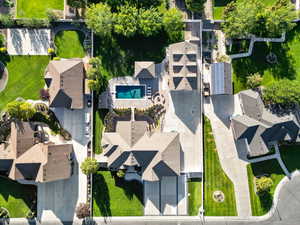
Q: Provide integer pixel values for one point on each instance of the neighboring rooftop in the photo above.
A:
(65, 80)
(259, 127)
(156, 154)
(28, 154)
(144, 70)
(221, 79)
(183, 67)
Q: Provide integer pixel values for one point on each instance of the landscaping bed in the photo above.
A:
(215, 179)
(17, 198)
(26, 75)
(290, 155)
(69, 44)
(260, 205)
(195, 196)
(112, 196)
(288, 66)
(99, 116)
(37, 8)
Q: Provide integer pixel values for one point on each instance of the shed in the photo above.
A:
(221, 80)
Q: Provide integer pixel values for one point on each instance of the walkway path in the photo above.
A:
(234, 167)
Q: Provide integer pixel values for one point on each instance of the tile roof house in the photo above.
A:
(65, 80)
(258, 128)
(29, 155)
(182, 66)
(132, 145)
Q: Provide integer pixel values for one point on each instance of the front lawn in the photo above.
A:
(37, 8)
(69, 44)
(116, 197)
(195, 196)
(288, 65)
(17, 198)
(219, 6)
(99, 115)
(26, 77)
(215, 179)
(271, 168)
(290, 155)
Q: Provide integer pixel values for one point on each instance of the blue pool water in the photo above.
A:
(130, 92)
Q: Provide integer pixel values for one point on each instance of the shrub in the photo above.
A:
(4, 213)
(29, 215)
(8, 3)
(263, 184)
(194, 5)
(51, 51)
(20, 110)
(56, 58)
(89, 166)
(6, 20)
(82, 210)
(3, 50)
(121, 173)
(2, 40)
(254, 80)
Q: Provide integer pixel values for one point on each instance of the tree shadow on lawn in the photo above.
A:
(118, 53)
(244, 67)
(266, 201)
(101, 195)
(28, 193)
(130, 188)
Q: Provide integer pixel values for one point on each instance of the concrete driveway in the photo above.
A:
(58, 200)
(184, 116)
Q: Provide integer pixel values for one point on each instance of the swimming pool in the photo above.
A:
(130, 91)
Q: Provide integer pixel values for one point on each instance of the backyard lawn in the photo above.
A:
(195, 194)
(69, 44)
(16, 198)
(219, 6)
(115, 197)
(215, 179)
(271, 168)
(288, 65)
(290, 156)
(37, 8)
(98, 129)
(26, 77)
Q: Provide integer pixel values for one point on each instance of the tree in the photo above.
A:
(77, 3)
(194, 5)
(173, 24)
(89, 166)
(150, 21)
(6, 20)
(95, 62)
(241, 18)
(285, 93)
(263, 184)
(279, 17)
(100, 19)
(254, 80)
(20, 110)
(97, 81)
(82, 210)
(126, 20)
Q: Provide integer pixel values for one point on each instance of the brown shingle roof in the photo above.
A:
(34, 159)
(67, 83)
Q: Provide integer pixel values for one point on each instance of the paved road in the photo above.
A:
(287, 213)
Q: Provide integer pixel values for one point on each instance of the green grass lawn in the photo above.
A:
(219, 6)
(261, 205)
(215, 179)
(37, 8)
(69, 44)
(290, 156)
(26, 77)
(98, 129)
(115, 197)
(195, 196)
(16, 198)
(288, 65)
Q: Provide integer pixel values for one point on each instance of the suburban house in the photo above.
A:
(258, 129)
(65, 80)
(31, 155)
(143, 154)
(182, 66)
